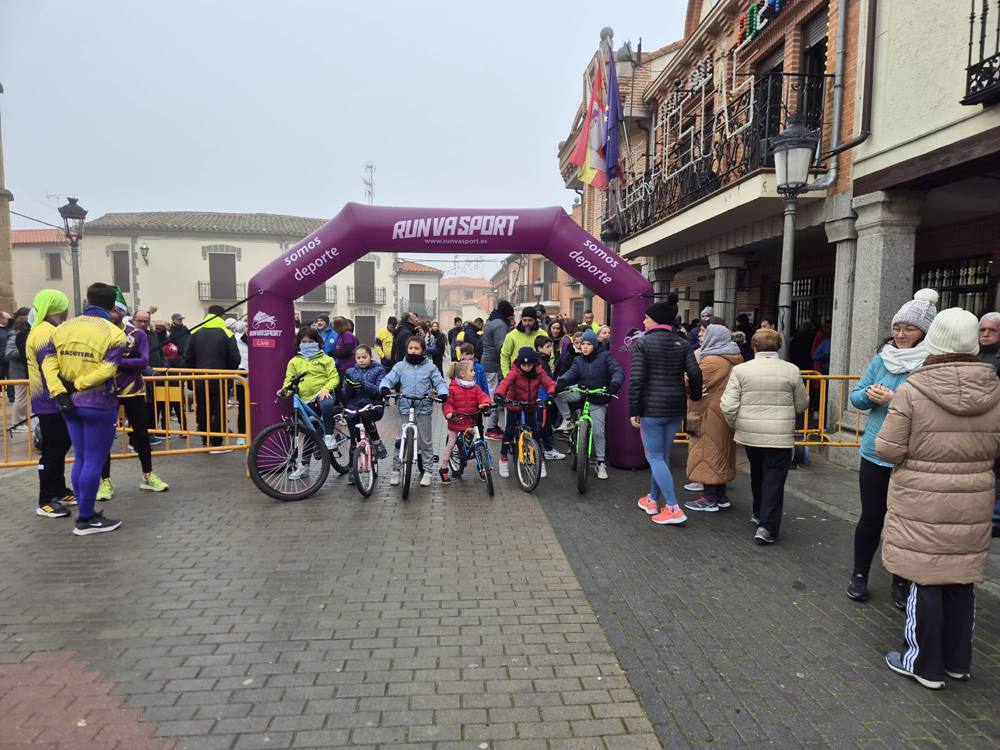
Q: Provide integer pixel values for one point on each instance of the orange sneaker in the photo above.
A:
(650, 506)
(669, 516)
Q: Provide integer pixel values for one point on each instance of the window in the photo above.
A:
(814, 67)
(578, 309)
(467, 294)
(364, 282)
(121, 270)
(222, 276)
(364, 329)
(53, 266)
(318, 294)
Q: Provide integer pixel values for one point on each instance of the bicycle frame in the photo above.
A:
(468, 446)
(586, 393)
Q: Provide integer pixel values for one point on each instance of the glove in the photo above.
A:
(66, 405)
(443, 398)
(497, 399)
(283, 393)
(354, 385)
(384, 391)
(613, 389)
(67, 384)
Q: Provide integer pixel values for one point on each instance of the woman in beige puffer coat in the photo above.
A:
(942, 433)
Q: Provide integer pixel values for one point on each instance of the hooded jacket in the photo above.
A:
(494, 333)
(712, 453)
(465, 400)
(39, 341)
(942, 433)
(134, 360)
(320, 375)
(517, 386)
(369, 378)
(656, 383)
(596, 370)
(404, 330)
(516, 340)
(415, 380)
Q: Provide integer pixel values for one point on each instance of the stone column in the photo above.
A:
(841, 232)
(726, 267)
(662, 278)
(883, 275)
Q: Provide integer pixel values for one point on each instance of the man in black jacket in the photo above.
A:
(402, 335)
(179, 335)
(211, 346)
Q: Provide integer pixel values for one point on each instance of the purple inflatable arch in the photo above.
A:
(359, 229)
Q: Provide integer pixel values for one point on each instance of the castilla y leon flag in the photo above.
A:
(588, 154)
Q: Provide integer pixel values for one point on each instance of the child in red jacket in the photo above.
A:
(521, 384)
(464, 397)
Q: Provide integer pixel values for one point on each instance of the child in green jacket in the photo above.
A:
(321, 379)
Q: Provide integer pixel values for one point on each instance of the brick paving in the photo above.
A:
(217, 618)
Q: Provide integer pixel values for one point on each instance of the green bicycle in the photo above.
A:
(581, 438)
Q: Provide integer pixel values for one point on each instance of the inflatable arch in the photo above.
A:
(359, 229)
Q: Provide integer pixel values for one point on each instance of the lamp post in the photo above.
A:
(794, 149)
(73, 216)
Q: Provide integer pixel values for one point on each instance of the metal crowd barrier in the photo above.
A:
(175, 401)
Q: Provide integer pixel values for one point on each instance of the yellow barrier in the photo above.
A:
(179, 400)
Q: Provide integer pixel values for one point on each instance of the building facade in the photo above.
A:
(466, 298)
(419, 289)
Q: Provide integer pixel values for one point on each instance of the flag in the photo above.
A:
(613, 123)
(588, 154)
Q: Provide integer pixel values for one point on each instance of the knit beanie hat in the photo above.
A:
(954, 331)
(664, 312)
(505, 308)
(529, 312)
(589, 336)
(527, 356)
(708, 311)
(919, 311)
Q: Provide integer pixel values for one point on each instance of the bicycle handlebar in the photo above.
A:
(425, 397)
(538, 402)
(484, 410)
(591, 391)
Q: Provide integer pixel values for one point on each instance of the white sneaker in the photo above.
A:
(694, 487)
(328, 442)
(554, 455)
(241, 441)
(425, 479)
(504, 468)
(545, 472)
(566, 426)
(602, 470)
(299, 472)
(394, 477)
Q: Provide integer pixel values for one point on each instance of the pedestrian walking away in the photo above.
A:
(899, 355)
(212, 347)
(762, 402)
(942, 434)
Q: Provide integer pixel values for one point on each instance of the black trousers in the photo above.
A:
(137, 416)
(241, 407)
(938, 631)
(768, 472)
(716, 492)
(369, 420)
(873, 486)
(52, 462)
(208, 408)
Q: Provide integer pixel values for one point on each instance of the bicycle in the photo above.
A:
(471, 446)
(529, 452)
(581, 439)
(289, 460)
(364, 457)
(408, 441)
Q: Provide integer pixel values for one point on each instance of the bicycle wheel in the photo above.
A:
(407, 463)
(581, 457)
(572, 448)
(364, 468)
(529, 464)
(283, 461)
(340, 453)
(485, 472)
(457, 459)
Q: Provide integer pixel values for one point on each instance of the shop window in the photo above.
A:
(812, 299)
(964, 283)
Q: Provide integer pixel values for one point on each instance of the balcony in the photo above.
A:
(323, 294)
(982, 84)
(357, 296)
(701, 160)
(424, 310)
(221, 291)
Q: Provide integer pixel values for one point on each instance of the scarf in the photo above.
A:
(97, 312)
(718, 341)
(214, 321)
(898, 361)
(308, 349)
(47, 302)
(466, 383)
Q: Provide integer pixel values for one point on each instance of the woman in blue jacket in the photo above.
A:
(901, 354)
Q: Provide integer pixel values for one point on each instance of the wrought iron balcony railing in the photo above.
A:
(718, 144)
(368, 296)
(221, 291)
(982, 84)
(325, 294)
(425, 310)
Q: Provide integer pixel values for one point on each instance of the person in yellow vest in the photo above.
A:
(589, 322)
(383, 343)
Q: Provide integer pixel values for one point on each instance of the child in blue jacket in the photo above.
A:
(361, 388)
(468, 351)
(544, 346)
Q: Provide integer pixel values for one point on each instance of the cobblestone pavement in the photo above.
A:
(217, 618)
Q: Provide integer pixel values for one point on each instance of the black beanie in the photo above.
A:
(529, 312)
(505, 308)
(664, 312)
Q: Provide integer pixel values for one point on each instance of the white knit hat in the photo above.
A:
(708, 311)
(954, 331)
(919, 311)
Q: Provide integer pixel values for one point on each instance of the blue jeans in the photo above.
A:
(658, 440)
(327, 408)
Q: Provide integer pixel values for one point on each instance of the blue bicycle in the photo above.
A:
(290, 460)
(471, 446)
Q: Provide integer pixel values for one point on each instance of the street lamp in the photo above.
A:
(794, 149)
(73, 216)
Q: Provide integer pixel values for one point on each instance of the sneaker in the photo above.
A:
(554, 455)
(669, 516)
(425, 479)
(105, 491)
(329, 442)
(894, 660)
(155, 440)
(69, 499)
(298, 472)
(394, 478)
(722, 503)
(545, 472)
(858, 588)
(763, 536)
(960, 676)
(241, 441)
(754, 520)
(694, 487)
(96, 524)
(154, 483)
(650, 506)
(504, 467)
(565, 426)
(445, 479)
(52, 509)
(602, 470)
(900, 592)
(494, 433)
(220, 451)
(380, 449)
(702, 503)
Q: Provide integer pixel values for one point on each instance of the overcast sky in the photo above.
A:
(256, 105)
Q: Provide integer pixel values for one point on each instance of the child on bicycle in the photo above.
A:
(465, 396)
(321, 379)
(544, 346)
(359, 389)
(592, 369)
(415, 375)
(522, 383)
(467, 352)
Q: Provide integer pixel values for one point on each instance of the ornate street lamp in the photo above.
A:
(794, 150)
(73, 216)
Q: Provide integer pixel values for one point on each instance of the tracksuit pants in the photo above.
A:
(493, 380)
(52, 462)
(425, 442)
(136, 414)
(938, 631)
(768, 472)
(92, 432)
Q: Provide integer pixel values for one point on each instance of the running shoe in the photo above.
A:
(545, 472)
(155, 440)
(565, 426)
(694, 487)
(52, 509)
(298, 472)
(900, 592)
(96, 524)
(105, 491)
(602, 470)
(504, 467)
(858, 588)
(425, 479)
(494, 433)
(669, 517)
(69, 499)
(554, 455)
(723, 503)
(329, 442)
(894, 660)
(152, 482)
(960, 676)
(650, 506)
(763, 536)
(702, 504)
(380, 449)
(445, 479)
(754, 520)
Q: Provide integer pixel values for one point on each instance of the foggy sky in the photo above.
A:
(212, 105)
